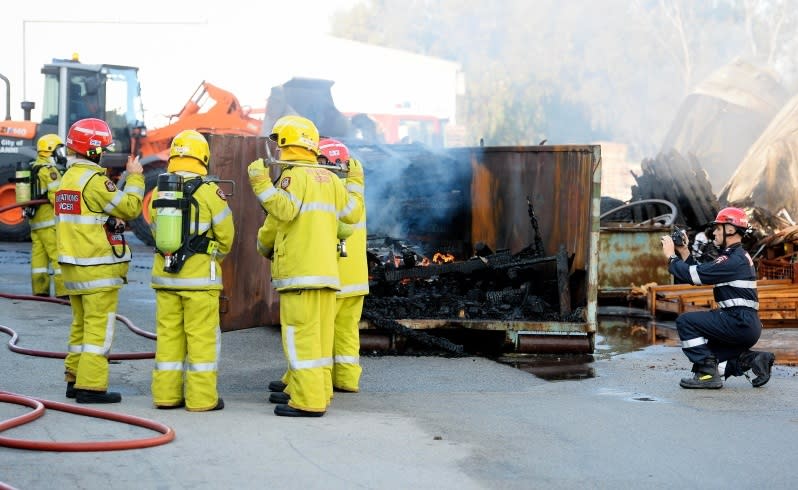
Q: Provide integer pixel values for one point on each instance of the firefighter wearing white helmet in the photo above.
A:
(45, 179)
(187, 277)
(717, 342)
(94, 257)
(300, 233)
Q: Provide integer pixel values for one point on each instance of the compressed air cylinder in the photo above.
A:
(169, 219)
(22, 182)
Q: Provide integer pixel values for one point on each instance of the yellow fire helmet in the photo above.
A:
(48, 143)
(189, 152)
(296, 131)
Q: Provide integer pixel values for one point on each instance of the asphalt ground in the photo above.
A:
(419, 422)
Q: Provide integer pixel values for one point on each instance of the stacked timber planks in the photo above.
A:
(778, 300)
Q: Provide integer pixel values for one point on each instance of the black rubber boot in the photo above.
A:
(276, 386)
(279, 397)
(88, 396)
(761, 366)
(286, 411)
(70, 391)
(706, 376)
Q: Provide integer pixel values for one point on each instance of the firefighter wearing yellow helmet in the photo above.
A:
(45, 179)
(187, 277)
(300, 231)
(94, 257)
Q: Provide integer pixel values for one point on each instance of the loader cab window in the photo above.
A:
(83, 97)
(123, 108)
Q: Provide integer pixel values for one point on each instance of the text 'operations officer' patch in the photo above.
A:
(110, 186)
(285, 182)
(221, 195)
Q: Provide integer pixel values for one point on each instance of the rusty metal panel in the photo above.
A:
(559, 181)
(630, 256)
(248, 296)
(564, 185)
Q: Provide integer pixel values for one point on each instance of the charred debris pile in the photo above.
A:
(408, 281)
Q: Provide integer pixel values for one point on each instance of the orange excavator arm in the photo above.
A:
(210, 110)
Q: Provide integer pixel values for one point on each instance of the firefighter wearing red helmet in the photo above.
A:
(94, 257)
(718, 341)
(353, 274)
(300, 234)
(45, 179)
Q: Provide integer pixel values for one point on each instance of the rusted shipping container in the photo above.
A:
(630, 256)
(455, 198)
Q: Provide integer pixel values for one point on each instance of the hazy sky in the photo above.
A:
(244, 46)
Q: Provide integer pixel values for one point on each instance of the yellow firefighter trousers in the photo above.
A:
(90, 338)
(346, 344)
(307, 318)
(188, 344)
(43, 253)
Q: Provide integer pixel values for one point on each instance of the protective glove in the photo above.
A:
(258, 172)
(356, 175)
(344, 230)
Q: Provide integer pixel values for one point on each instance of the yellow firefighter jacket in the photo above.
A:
(201, 270)
(83, 204)
(303, 221)
(353, 269)
(48, 179)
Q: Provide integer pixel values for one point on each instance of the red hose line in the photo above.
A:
(34, 202)
(61, 355)
(167, 433)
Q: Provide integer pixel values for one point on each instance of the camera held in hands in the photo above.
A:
(677, 236)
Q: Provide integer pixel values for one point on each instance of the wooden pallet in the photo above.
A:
(778, 300)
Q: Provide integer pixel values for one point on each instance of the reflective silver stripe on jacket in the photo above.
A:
(347, 359)
(293, 359)
(186, 282)
(694, 275)
(359, 225)
(53, 185)
(352, 187)
(220, 216)
(350, 205)
(75, 349)
(269, 192)
(40, 270)
(306, 281)
(77, 219)
(317, 206)
(134, 189)
(686, 344)
(354, 288)
(42, 224)
(98, 283)
(739, 284)
(105, 260)
(739, 302)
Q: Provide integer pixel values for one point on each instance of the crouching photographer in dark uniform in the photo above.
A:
(718, 341)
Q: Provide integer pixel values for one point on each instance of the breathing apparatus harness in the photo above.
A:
(174, 239)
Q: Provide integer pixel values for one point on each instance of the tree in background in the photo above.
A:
(578, 71)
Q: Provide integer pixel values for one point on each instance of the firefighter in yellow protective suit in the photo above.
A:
(94, 257)
(303, 214)
(45, 179)
(187, 278)
(353, 275)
